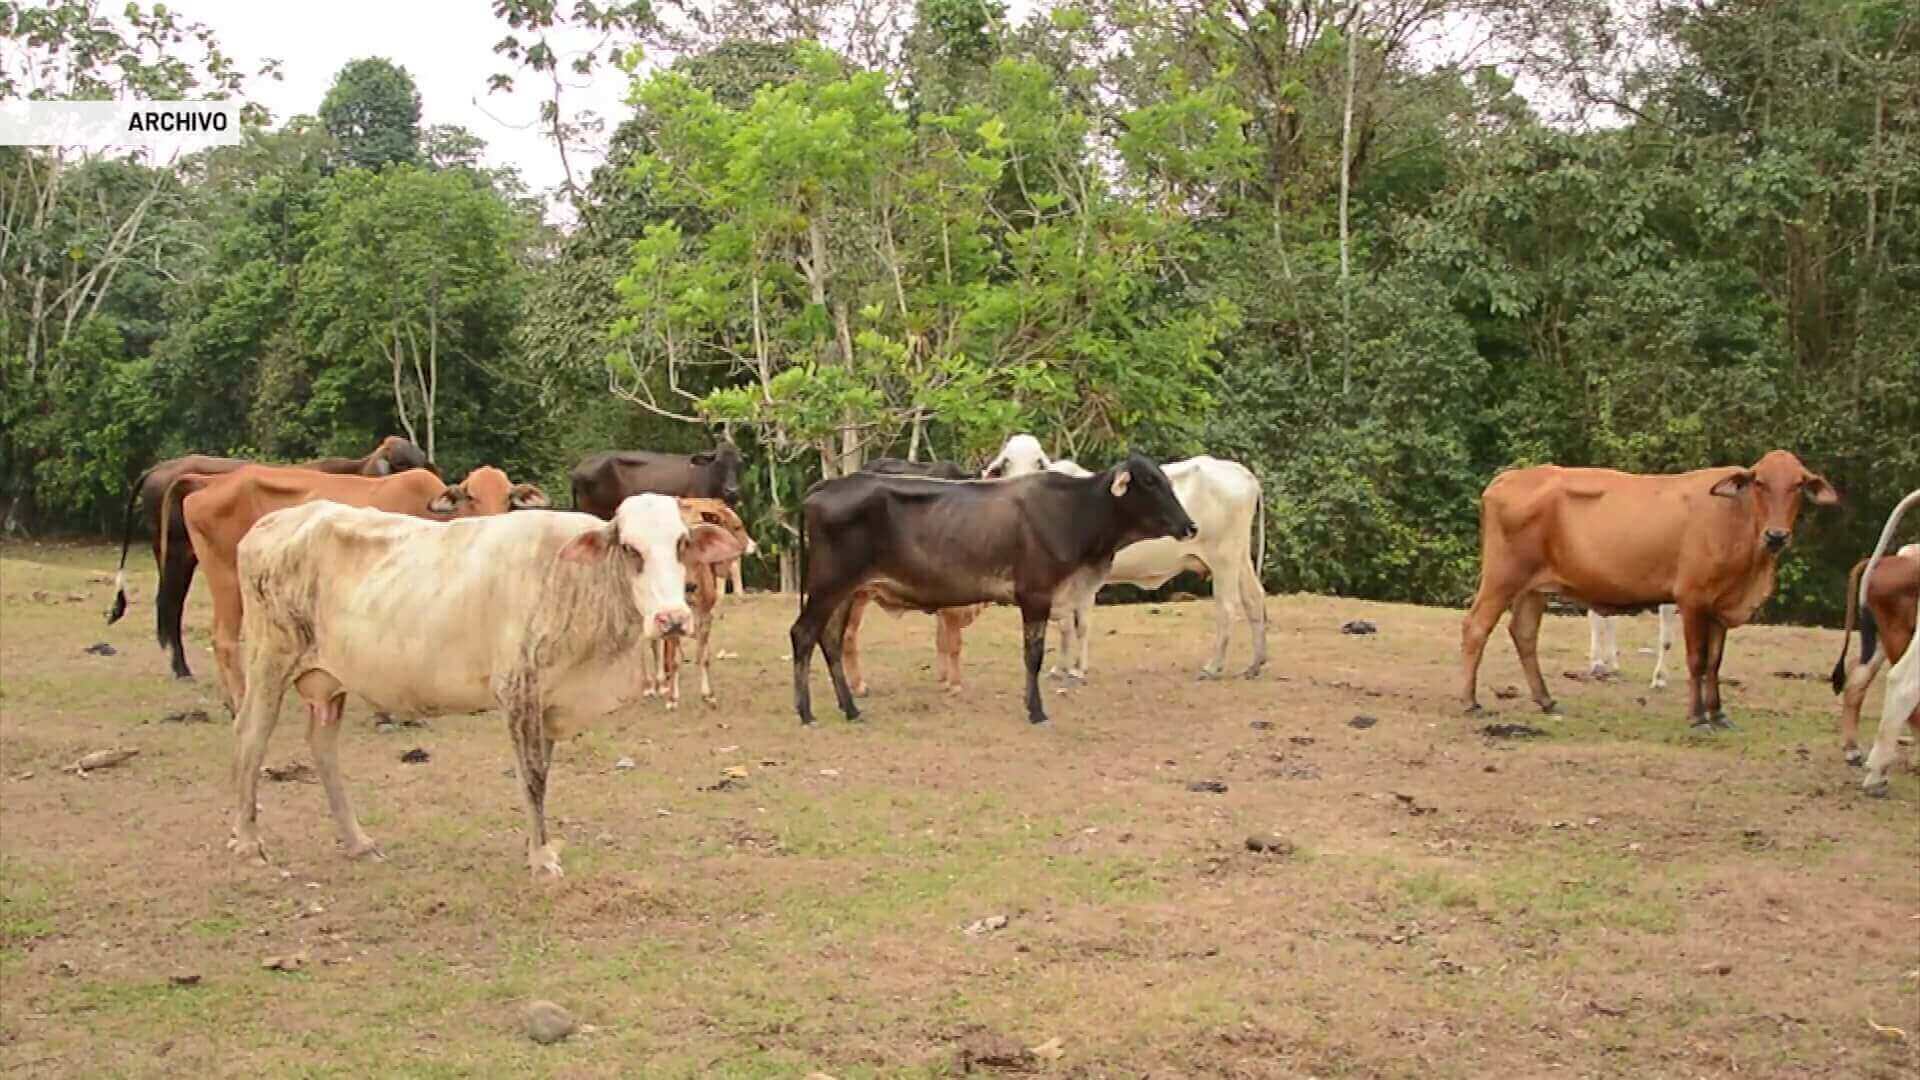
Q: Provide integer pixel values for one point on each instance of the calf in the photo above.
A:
(952, 622)
(538, 615)
(703, 587)
(1224, 498)
(220, 509)
(1603, 649)
(1896, 592)
(932, 544)
(1707, 541)
(147, 499)
(1901, 707)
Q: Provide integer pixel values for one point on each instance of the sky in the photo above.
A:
(446, 45)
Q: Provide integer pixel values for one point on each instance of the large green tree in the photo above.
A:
(372, 110)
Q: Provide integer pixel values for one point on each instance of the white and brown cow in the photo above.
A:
(1901, 707)
(1223, 498)
(539, 615)
(703, 593)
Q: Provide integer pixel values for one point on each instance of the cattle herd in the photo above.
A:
(375, 576)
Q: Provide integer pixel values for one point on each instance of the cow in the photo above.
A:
(220, 509)
(703, 587)
(147, 496)
(1901, 706)
(1224, 498)
(1603, 648)
(930, 544)
(538, 615)
(1706, 541)
(602, 480)
(1894, 588)
(952, 622)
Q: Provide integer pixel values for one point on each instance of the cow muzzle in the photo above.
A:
(673, 623)
(1191, 532)
(1777, 539)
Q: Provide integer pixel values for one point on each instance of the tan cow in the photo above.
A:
(220, 509)
(537, 615)
(704, 581)
(1708, 541)
(1886, 629)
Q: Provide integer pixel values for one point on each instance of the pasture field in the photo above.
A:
(1618, 897)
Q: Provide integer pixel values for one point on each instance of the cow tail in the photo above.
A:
(1260, 537)
(1839, 680)
(800, 570)
(126, 542)
(1886, 537)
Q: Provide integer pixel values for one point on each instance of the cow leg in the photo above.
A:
(1033, 631)
(1603, 647)
(1660, 651)
(850, 642)
(1696, 628)
(1253, 600)
(533, 755)
(1852, 699)
(951, 624)
(832, 643)
(325, 700)
(1492, 599)
(733, 571)
(1524, 627)
(1901, 709)
(1716, 651)
(703, 641)
(225, 586)
(272, 673)
(669, 672)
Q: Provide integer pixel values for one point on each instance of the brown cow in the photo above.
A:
(220, 509)
(703, 589)
(394, 454)
(1708, 541)
(1893, 597)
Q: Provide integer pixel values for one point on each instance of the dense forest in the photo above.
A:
(1377, 251)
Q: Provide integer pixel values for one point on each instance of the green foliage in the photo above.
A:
(372, 110)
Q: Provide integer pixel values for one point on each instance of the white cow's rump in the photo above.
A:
(537, 614)
(1603, 648)
(1901, 707)
(1223, 498)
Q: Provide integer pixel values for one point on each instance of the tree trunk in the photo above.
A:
(1346, 174)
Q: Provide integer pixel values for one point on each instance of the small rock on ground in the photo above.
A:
(1215, 787)
(986, 925)
(415, 756)
(1512, 731)
(101, 648)
(1270, 844)
(548, 1023)
(1359, 626)
(1363, 722)
(985, 1050)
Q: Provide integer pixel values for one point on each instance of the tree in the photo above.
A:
(373, 111)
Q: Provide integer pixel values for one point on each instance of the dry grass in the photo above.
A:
(1567, 907)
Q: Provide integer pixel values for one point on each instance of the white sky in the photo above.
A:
(446, 45)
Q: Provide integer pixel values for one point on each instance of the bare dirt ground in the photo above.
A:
(1618, 897)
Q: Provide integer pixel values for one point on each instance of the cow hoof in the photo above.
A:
(1877, 790)
(1252, 673)
(806, 719)
(545, 863)
(710, 701)
(248, 849)
(1855, 758)
(1207, 675)
(367, 850)
(1036, 720)
(1474, 708)
(1720, 722)
(672, 705)
(1659, 683)
(861, 690)
(1551, 708)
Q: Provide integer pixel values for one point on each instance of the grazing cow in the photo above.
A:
(1707, 541)
(703, 586)
(951, 621)
(1603, 648)
(220, 509)
(602, 480)
(1901, 707)
(1895, 586)
(394, 454)
(932, 544)
(538, 615)
(1224, 499)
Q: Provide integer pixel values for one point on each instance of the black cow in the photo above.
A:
(932, 544)
(148, 494)
(938, 470)
(602, 480)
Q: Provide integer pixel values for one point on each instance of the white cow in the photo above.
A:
(1603, 650)
(1901, 707)
(1223, 498)
(540, 615)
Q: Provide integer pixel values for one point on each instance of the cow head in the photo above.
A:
(1775, 485)
(722, 469)
(486, 490)
(1146, 498)
(1021, 455)
(718, 514)
(395, 454)
(658, 546)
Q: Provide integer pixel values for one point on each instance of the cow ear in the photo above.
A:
(381, 466)
(1820, 491)
(591, 545)
(994, 470)
(711, 544)
(701, 459)
(448, 500)
(1121, 478)
(528, 497)
(1734, 485)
